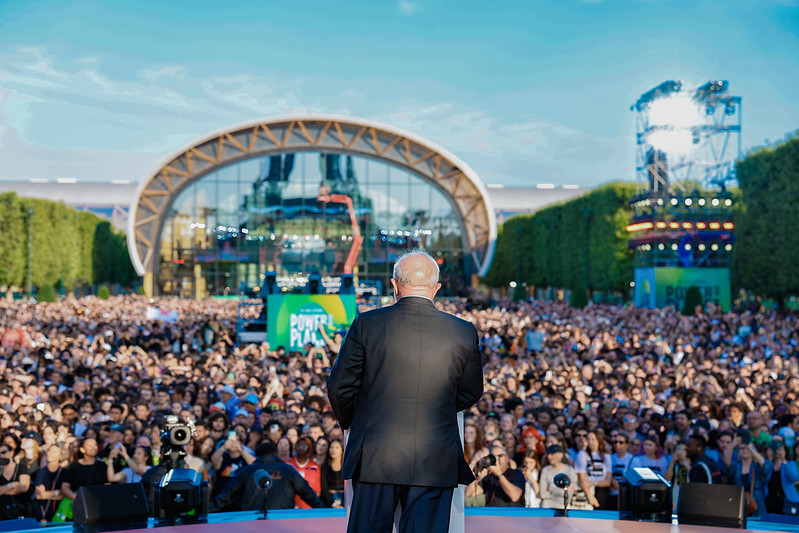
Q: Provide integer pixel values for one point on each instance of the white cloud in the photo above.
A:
(408, 8)
(76, 120)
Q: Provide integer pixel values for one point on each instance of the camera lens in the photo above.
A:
(180, 434)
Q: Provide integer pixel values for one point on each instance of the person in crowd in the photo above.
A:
(753, 471)
(227, 459)
(789, 476)
(620, 460)
(473, 448)
(85, 470)
(703, 469)
(47, 492)
(136, 465)
(531, 467)
(652, 456)
(332, 484)
(305, 465)
(13, 484)
(725, 455)
(245, 489)
(595, 471)
(321, 446)
(552, 496)
(757, 433)
(285, 450)
(503, 486)
(774, 492)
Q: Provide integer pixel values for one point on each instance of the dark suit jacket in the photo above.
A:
(403, 373)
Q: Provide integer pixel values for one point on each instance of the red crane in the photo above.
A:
(357, 238)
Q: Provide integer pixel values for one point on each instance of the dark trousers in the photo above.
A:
(424, 509)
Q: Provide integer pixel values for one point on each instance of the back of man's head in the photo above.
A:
(416, 269)
(267, 447)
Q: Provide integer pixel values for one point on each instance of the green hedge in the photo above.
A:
(766, 250)
(548, 248)
(69, 246)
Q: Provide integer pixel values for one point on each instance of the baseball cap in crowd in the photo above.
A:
(229, 389)
(251, 398)
(218, 406)
(33, 436)
(275, 404)
(117, 427)
(242, 412)
(554, 448)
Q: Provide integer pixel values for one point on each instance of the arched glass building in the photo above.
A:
(272, 195)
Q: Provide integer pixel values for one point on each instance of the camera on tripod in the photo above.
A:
(179, 493)
(177, 433)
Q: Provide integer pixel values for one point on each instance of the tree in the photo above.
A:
(569, 244)
(13, 241)
(767, 243)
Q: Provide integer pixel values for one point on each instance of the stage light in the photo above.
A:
(728, 247)
(660, 201)
(671, 141)
(701, 247)
(678, 110)
(701, 225)
(661, 246)
(715, 202)
(715, 225)
(674, 225)
(714, 247)
(661, 225)
(701, 201)
(728, 225)
(674, 201)
(729, 109)
(674, 247)
(639, 226)
(688, 201)
(512, 284)
(687, 246)
(686, 225)
(728, 202)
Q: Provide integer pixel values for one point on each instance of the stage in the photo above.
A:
(478, 519)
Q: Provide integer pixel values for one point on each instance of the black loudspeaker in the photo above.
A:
(104, 504)
(712, 505)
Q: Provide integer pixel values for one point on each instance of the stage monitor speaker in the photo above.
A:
(104, 504)
(712, 505)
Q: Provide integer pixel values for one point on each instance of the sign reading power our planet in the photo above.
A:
(293, 320)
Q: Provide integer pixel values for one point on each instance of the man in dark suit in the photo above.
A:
(402, 375)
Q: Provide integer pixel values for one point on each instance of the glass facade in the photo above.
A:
(226, 230)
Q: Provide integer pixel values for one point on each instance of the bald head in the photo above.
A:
(416, 274)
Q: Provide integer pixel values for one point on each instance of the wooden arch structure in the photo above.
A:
(310, 133)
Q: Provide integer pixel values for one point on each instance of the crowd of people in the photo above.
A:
(86, 387)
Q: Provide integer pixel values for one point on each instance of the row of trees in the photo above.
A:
(579, 243)
(583, 244)
(66, 247)
(766, 253)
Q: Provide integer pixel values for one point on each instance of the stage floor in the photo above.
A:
(478, 520)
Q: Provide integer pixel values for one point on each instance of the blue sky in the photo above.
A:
(525, 92)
